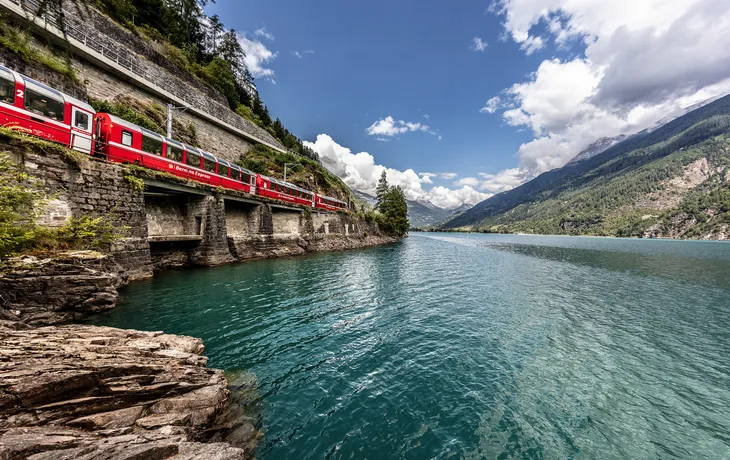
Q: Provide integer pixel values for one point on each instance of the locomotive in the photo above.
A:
(39, 110)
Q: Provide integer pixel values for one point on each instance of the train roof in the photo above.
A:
(122, 122)
(333, 199)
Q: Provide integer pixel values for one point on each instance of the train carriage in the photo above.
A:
(284, 191)
(39, 110)
(124, 142)
(329, 203)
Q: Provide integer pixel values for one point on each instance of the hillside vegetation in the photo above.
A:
(301, 171)
(671, 182)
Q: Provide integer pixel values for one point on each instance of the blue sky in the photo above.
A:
(337, 68)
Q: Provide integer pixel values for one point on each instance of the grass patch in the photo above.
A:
(21, 43)
(136, 183)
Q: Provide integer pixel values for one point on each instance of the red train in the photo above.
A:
(37, 109)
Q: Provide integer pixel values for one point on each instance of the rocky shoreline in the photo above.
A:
(88, 392)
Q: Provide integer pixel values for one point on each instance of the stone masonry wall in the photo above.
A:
(98, 189)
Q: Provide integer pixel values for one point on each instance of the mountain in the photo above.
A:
(597, 147)
(422, 213)
(672, 181)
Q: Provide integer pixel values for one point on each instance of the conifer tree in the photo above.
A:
(381, 191)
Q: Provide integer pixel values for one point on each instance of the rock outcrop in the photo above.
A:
(87, 392)
(58, 289)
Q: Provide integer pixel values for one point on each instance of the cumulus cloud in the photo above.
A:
(258, 57)
(477, 44)
(359, 171)
(635, 69)
(506, 179)
(388, 126)
(492, 105)
(470, 181)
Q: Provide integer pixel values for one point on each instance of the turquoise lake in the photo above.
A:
(469, 346)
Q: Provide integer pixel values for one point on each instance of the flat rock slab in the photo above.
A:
(88, 392)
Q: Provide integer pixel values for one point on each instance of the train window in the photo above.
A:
(43, 105)
(174, 152)
(209, 165)
(151, 144)
(82, 120)
(127, 138)
(245, 178)
(235, 174)
(222, 169)
(193, 159)
(7, 90)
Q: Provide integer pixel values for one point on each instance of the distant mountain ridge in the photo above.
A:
(672, 181)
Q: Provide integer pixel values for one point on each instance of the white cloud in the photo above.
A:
(359, 171)
(506, 179)
(301, 55)
(492, 105)
(388, 126)
(477, 44)
(635, 69)
(258, 56)
(263, 33)
(426, 116)
(382, 139)
(470, 181)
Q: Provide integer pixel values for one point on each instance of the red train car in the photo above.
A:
(39, 110)
(124, 142)
(284, 191)
(329, 203)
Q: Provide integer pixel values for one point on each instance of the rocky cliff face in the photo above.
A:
(85, 392)
(67, 287)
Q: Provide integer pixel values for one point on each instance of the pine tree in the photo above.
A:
(381, 191)
(395, 212)
(216, 29)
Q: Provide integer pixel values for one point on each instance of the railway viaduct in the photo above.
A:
(172, 222)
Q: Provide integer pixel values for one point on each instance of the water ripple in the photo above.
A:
(470, 346)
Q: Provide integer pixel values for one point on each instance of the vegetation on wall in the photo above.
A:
(20, 42)
(22, 201)
(147, 115)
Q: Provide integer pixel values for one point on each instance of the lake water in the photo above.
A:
(469, 346)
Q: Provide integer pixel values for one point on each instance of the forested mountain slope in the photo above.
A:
(672, 182)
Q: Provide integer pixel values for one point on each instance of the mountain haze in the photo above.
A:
(669, 182)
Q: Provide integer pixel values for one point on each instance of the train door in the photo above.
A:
(252, 180)
(81, 130)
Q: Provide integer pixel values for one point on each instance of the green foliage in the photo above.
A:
(21, 43)
(126, 111)
(21, 198)
(393, 209)
(136, 183)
